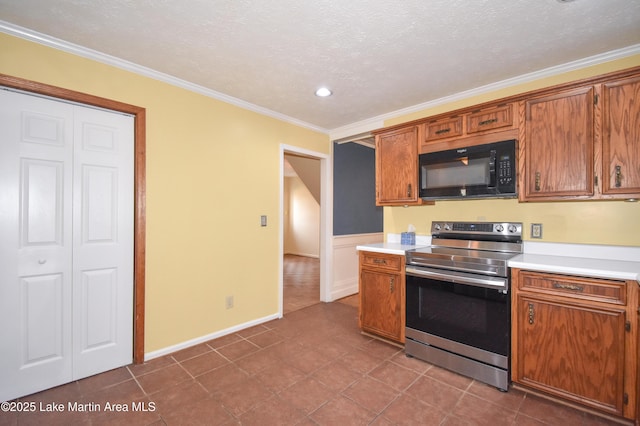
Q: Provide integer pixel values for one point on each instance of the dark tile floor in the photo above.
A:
(313, 367)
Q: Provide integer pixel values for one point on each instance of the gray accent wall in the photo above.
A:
(354, 190)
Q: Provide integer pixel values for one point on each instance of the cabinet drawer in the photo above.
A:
(489, 119)
(608, 291)
(381, 261)
(441, 129)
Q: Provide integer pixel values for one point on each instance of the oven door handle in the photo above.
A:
(459, 278)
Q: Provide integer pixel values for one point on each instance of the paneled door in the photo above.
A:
(66, 242)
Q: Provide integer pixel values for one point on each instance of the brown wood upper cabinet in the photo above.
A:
(558, 146)
(443, 128)
(397, 167)
(577, 141)
(490, 119)
(621, 138)
(582, 143)
(470, 128)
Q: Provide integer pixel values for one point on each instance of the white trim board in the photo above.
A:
(189, 343)
(369, 124)
(94, 55)
(374, 123)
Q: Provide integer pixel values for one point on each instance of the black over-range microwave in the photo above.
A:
(481, 171)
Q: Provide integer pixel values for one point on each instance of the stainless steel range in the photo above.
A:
(457, 299)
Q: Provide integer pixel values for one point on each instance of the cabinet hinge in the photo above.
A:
(595, 99)
(627, 326)
(625, 399)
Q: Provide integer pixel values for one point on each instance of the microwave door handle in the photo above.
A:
(492, 169)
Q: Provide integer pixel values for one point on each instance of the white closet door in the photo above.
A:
(43, 299)
(102, 241)
(36, 154)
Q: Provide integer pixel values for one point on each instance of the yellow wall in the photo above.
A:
(601, 222)
(212, 170)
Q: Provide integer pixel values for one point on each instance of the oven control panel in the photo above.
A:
(477, 228)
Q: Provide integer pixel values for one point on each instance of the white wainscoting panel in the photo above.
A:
(345, 262)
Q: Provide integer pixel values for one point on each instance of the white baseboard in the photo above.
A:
(345, 276)
(187, 344)
(315, 256)
(344, 288)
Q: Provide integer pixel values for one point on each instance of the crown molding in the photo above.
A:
(353, 130)
(94, 55)
(378, 121)
(342, 132)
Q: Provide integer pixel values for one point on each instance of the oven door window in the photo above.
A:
(474, 316)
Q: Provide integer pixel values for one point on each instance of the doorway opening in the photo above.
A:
(301, 282)
(303, 229)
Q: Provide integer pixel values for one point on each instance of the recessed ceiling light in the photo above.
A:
(323, 92)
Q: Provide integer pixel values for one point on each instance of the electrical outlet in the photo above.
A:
(536, 230)
(229, 302)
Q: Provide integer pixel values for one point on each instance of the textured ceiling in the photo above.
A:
(378, 56)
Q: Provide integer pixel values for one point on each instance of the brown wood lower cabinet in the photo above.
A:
(382, 286)
(576, 338)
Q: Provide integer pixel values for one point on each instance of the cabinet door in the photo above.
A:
(559, 145)
(380, 299)
(576, 352)
(621, 137)
(397, 167)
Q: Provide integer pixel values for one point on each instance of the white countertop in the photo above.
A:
(393, 246)
(597, 268)
(613, 262)
(599, 261)
(389, 248)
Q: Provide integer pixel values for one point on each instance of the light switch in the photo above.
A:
(263, 220)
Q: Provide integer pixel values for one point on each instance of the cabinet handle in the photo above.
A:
(409, 190)
(618, 176)
(568, 287)
(490, 121)
(537, 181)
(531, 313)
(392, 284)
(442, 131)
(380, 261)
